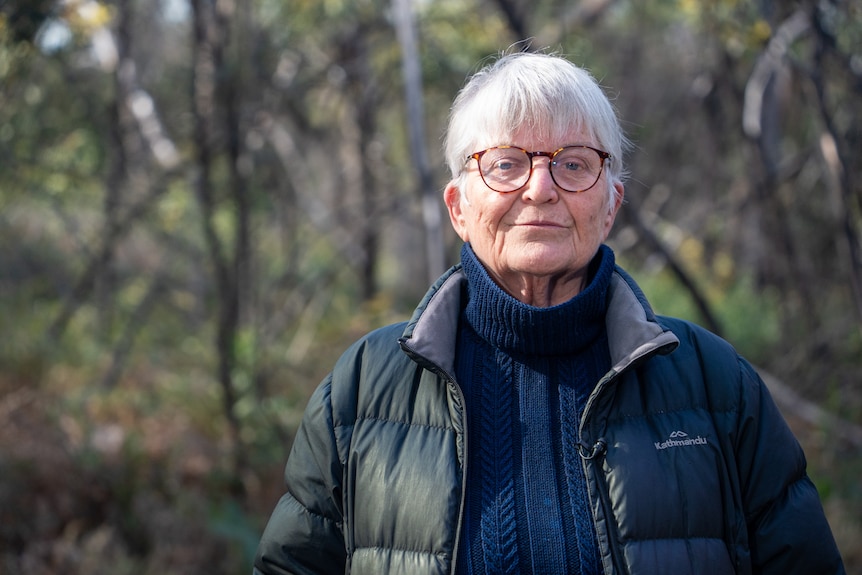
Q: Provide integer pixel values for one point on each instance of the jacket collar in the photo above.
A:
(634, 332)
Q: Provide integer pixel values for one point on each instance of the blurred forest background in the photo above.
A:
(202, 202)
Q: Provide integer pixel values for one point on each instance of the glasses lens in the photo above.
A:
(576, 169)
(505, 169)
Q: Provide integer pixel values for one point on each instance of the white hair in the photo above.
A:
(544, 94)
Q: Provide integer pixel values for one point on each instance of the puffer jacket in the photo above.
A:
(690, 467)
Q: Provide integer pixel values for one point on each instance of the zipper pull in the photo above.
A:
(598, 449)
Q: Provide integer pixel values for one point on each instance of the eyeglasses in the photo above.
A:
(509, 168)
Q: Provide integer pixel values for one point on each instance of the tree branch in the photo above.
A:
(645, 231)
(794, 404)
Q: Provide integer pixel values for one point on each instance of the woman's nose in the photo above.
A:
(541, 186)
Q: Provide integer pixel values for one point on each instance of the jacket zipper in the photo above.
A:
(453, 384)
(593, 456)
(458, 529)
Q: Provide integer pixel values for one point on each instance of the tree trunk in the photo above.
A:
(412, 69)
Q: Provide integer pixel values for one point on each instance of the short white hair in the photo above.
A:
(544, 94)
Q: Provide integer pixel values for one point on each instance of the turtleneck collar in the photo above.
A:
(513, 326)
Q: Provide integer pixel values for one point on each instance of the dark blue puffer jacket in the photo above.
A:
(690, 467)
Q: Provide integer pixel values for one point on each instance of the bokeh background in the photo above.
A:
(202, 202)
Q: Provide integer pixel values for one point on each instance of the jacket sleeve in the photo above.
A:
(304, 534)
(788, 531)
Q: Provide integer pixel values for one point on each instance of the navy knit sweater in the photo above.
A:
(527, 373)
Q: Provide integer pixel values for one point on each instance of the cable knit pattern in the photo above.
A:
(499, 542)
(526, 373)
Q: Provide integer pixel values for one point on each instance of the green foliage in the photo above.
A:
(749, 317)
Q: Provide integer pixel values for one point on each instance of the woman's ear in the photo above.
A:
(454, 204)
(614, 208)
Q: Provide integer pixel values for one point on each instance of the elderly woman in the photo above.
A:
(535, 415)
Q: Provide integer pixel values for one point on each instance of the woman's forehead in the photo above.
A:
(538, 138)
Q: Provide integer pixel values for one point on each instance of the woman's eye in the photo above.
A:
(572, 164)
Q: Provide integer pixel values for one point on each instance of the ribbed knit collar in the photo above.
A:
(514, 326)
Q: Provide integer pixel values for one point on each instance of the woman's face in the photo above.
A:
(537, 241)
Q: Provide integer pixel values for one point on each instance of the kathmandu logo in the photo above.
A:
(680, 439)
